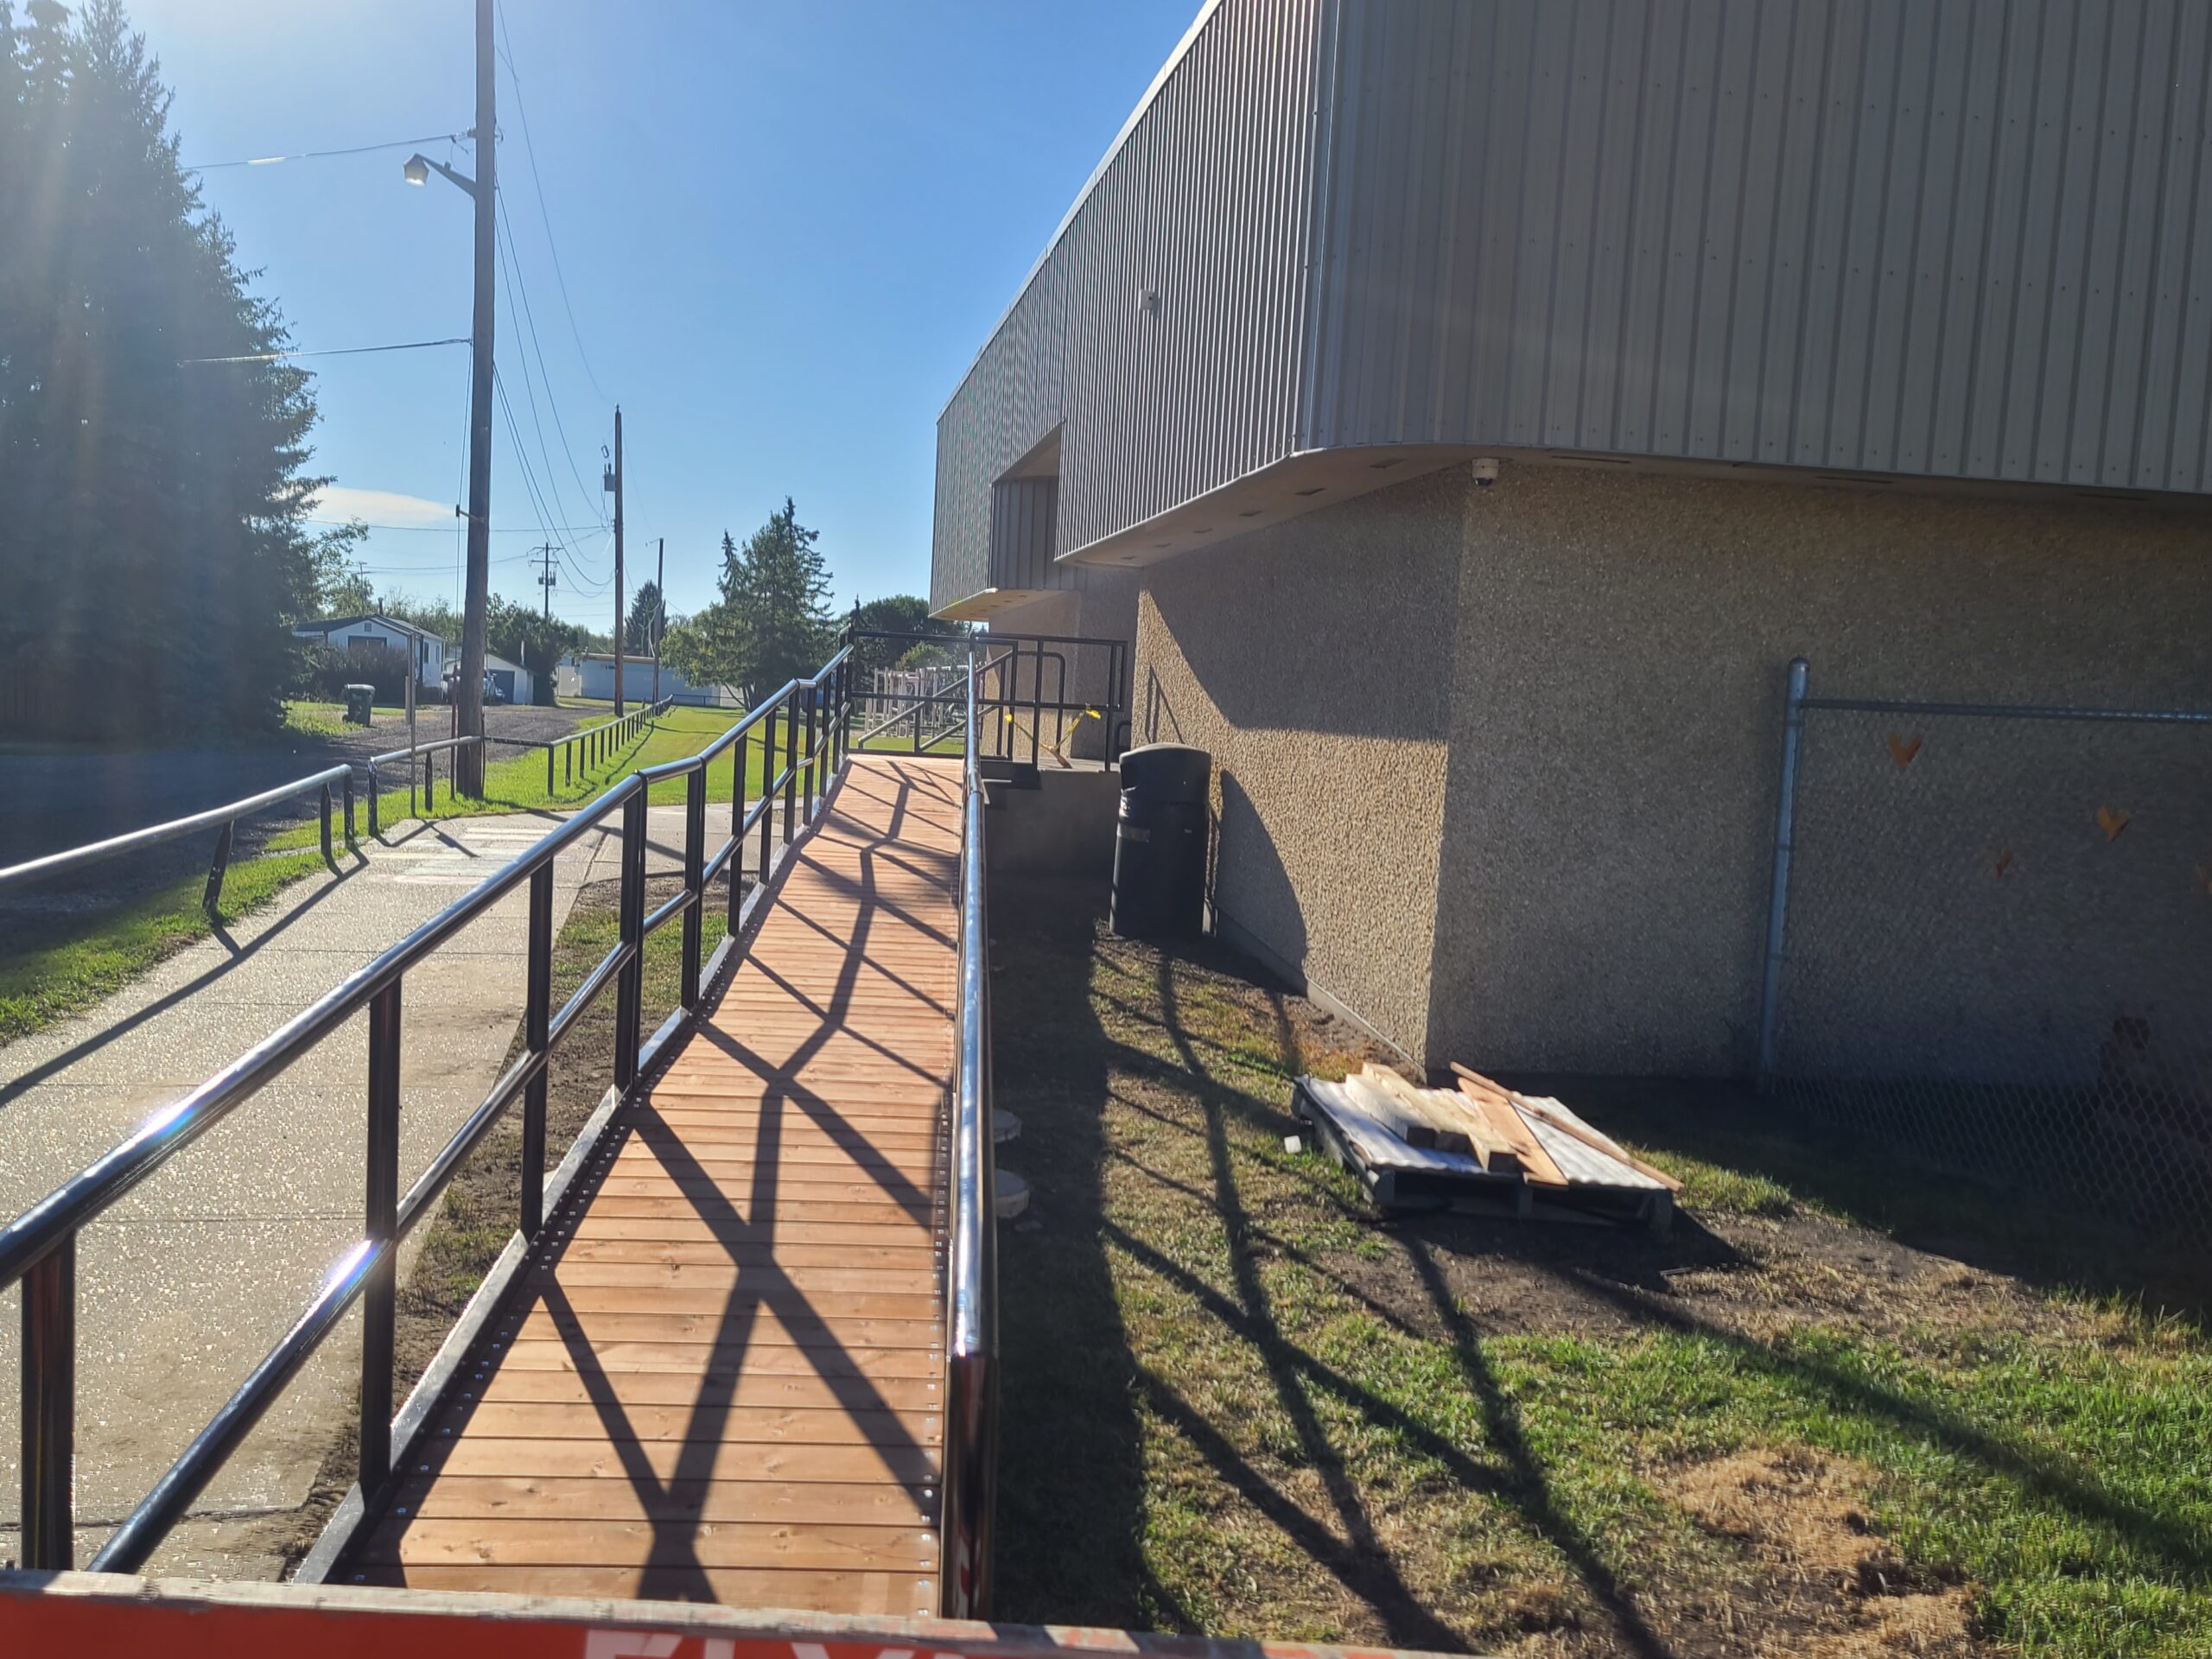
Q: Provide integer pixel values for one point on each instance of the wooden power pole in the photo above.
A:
(469, 763)
(621, 621)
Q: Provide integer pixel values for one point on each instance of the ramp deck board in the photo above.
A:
(722, 1379)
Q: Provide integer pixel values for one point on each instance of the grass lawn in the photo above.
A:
(1238, 1401)
(516, 782)
(50, 981)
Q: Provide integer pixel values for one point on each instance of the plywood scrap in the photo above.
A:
(1447, 1131)
(1554, 1113)
(1503, 1118)
(1384, 1110)
(1458, 1127)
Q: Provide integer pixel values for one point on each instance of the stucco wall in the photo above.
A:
(1313, 660)
(1623, 643)
(1496, 769)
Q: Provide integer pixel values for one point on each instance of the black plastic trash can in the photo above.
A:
(359, 700)
(1159, 843)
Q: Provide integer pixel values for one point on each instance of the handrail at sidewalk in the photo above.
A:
(223, 819)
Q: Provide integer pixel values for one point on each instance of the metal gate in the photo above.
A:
(1990, 944)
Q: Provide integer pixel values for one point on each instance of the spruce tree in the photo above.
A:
(153, 553)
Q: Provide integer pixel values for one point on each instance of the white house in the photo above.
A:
(510, 679)
(379, 633)
(592, 676)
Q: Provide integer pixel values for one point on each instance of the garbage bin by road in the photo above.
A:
(1159, 843)
(359, 700)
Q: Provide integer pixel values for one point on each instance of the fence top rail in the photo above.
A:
(425, 748)
(752, 717)
(2005, 710)
(153, 835)
(70, 1207)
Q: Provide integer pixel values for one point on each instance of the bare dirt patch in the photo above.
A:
(1823, 1584)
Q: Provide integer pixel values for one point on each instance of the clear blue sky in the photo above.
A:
(786, 226)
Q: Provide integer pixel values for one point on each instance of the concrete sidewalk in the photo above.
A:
(189, 1280)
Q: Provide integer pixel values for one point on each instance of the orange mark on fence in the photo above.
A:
(1903, 749)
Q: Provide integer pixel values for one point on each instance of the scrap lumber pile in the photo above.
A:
(1479, 1147)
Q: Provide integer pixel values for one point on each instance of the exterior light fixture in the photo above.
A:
(417, 171)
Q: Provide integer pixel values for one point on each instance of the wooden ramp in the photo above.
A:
(723, 1381)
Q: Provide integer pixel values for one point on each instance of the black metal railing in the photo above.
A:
(593, 744)
(39, 1247)
(971, 1339)
(223, 820)
(1020, 687)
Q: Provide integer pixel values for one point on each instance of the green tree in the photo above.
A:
(526, 636)
(153, 537)
(772, 621)
(648, 619)
(899, 613)
(341, 585)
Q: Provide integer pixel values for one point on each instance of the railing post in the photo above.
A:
(537, 1009)
(376, 813)
(347, 784)
(1785, 834)
(631, 984)
(695, 866)
(326, 856)
(211, 898)
(736, 831)
(49, 1404)
(813, 696)
(768, 794)
(549, 772)
(790, 716)
(378, 1301)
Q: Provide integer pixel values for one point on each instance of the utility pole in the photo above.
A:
(546, 578)
(476, 606)
(660, 609)
(614, 483)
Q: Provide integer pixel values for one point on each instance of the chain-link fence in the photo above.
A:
(1991, 947)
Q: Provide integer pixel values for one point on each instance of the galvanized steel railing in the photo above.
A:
(39, 1247)
(969, 1485)
(221, 819)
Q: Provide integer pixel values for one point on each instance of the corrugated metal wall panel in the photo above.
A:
(1023, 513)
(1966, 239)
(1958, 239)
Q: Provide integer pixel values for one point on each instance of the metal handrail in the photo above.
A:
(38, 1248)
(971, 1339)
(223, 819)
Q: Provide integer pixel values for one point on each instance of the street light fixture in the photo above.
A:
(418, 169)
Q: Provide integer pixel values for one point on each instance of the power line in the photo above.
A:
(320, 155)
(530, 153)
(334, 350)
(510, 267)
(439, 529)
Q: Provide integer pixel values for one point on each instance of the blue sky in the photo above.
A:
(785, 227)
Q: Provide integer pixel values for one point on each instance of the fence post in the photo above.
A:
(1785, 831)
(537, 1009)
(767, 792)
(348, 786)
(736, 831)
(378, 1302)
(549, 772)
(49, 1404)
(213, 897)
(695, 865)
(326, 857)
(790, 716)
(813, 696)
(630, 984)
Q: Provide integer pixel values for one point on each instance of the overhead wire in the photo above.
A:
(322, 155)
(530, 153)
(511, 278)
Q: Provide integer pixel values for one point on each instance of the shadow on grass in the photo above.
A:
(2040, 1239)
(1071, 1506)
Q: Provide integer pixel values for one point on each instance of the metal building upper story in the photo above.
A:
(1342, 241)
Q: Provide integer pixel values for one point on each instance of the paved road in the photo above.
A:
(191, 1279)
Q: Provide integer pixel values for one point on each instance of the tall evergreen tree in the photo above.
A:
(153, 538)
(772, 621)
(648, 619)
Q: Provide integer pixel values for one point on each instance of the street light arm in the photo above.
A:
(460, 178)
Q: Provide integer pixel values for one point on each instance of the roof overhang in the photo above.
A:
(981, 608)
